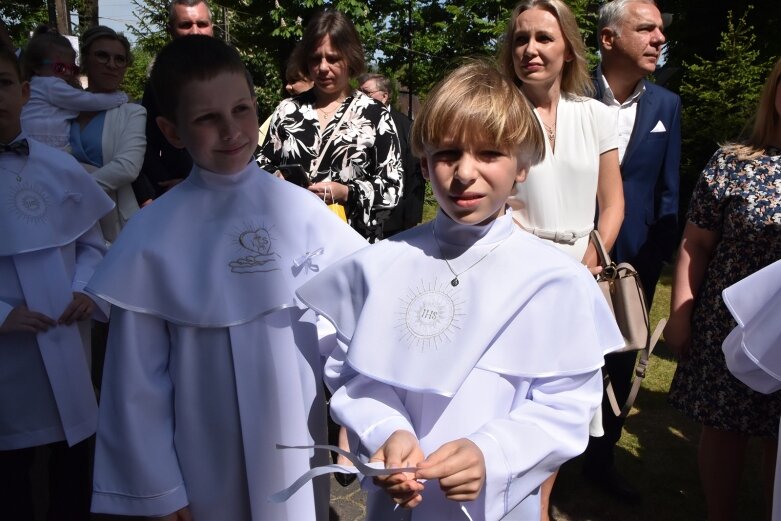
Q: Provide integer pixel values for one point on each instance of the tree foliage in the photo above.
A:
(719, 95)
(21, 17)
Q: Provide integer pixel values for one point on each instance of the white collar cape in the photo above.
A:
(755, 302)
(221, 250)
(524, 310)
(51, 202)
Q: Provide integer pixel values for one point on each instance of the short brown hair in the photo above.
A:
(9, 56)
(186, 3)
(575, 77)
(344, 39)
(194, 58)
(477, 103)
(38, 49)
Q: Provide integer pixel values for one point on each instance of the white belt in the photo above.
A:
(563, 236)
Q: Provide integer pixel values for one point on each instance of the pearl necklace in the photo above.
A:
(455, 282)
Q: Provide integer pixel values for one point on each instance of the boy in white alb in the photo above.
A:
(753, 349)
(50, 246)
(211, 360)
(49, 62)
(470, 349)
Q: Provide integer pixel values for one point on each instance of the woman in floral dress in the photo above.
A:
(733, 230)
(345, 141)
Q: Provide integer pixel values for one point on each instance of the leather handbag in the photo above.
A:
(621, 287)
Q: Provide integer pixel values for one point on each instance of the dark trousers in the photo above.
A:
(599, 453)
(620, 368)
(69, 484)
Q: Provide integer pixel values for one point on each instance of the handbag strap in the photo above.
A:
(332, 136)
(640, 373)
(602, 254)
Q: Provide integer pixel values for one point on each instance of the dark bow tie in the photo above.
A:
(20, 147)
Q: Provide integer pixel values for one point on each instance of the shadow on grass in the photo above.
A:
(657, 454)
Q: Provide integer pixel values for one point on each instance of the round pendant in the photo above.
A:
(454, 282)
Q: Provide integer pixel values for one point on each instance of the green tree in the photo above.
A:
(136, 75)
(21, 17)
(719, 97)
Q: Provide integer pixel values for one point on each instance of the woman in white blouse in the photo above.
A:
(544, 54)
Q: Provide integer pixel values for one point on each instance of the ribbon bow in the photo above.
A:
(305, 261)
(21, 147)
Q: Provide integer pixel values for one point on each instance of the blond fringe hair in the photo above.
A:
(575, 77)
(766, 121)
(476, 104)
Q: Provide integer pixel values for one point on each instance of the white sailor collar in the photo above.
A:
(406, 325)
(220, 250)
(49, 202)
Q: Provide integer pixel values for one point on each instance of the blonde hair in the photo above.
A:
(476, 103)
(575, 77)
(766, 120)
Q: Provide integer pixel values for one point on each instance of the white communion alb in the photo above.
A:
(50, 246)
(211, 359)
(753, 348)
(509, 358)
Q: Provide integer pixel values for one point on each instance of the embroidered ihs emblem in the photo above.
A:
(257, 242)
(429, 315)
(29, 202)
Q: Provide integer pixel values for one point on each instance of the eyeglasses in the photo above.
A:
(370, 92)
(62, 68)
(120, 60)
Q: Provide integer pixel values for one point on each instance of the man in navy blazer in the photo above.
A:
(649, 132)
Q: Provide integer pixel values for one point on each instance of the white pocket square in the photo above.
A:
(659, 127)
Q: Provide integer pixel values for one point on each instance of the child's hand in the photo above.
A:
(401, 449)
(80, 308)
(22, 319)
(183, 514)
(460, 468)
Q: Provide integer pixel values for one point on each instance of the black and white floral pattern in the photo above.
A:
(364, 154)
(742, 201)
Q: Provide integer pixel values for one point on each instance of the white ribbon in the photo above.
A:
(374, 468)
(305, 261)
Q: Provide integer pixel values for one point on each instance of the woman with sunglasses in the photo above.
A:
(110, 143)
(49, 64)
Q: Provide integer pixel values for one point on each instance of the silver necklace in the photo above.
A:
(455, 281)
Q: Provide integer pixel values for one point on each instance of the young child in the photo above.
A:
(49, 248)
(211, 360)
(49, 63)
(470, 348)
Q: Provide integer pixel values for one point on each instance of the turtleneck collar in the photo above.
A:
(451, 232)
(208, 179)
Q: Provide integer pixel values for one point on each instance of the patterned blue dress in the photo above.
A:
(741, 199)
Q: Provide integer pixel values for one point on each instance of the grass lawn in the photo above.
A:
(658, 454)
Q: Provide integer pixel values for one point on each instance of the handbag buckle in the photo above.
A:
(610, 272)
